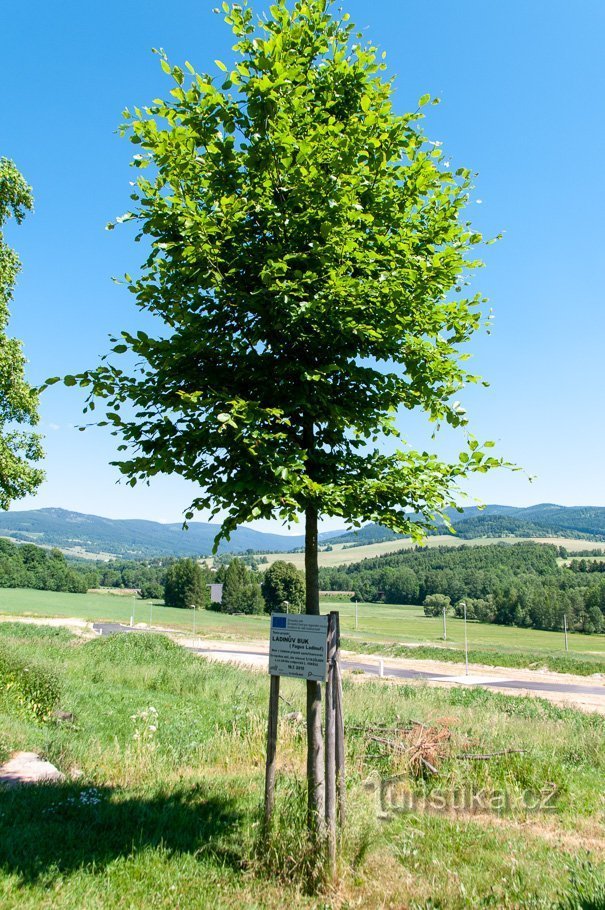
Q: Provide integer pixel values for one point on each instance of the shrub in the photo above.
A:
(35, 689)
(434, 604)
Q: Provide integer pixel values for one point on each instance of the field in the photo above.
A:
(164, 776)
(379, 627)
(341, 554)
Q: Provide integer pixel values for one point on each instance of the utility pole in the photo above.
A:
(286, 604)
(465, 642)
(444, 625)
(565, 631)
(356, 615)
(193, 605)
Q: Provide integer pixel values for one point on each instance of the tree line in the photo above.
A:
(519, 584)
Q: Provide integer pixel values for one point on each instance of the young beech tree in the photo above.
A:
(307, 254)
(19, 449)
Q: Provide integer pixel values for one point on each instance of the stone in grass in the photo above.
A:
(28, 768)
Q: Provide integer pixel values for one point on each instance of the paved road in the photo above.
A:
(259, 658)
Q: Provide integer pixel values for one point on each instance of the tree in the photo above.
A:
(19, 449)
(400, 586)
(435, 604)
(241, 593)
(283, 583)
(307, 254)
(185, 585)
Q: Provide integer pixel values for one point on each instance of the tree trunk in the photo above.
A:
(315, 756)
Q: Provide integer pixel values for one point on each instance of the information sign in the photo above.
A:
(298, 646)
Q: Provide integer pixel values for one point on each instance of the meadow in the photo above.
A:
(163, 756)
(380, 628)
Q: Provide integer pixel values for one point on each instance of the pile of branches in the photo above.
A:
(421, 746)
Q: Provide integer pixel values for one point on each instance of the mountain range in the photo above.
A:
(135, 538)
(83, 534)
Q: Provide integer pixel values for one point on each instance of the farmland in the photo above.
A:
(342, 554)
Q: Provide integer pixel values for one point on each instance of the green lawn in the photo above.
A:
(378, 623)
(164, 765)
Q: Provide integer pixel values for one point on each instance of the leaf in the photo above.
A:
(165, 66)
(366, 103)
(424, 100)
(221, 65)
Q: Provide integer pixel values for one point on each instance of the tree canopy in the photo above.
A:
(308, 256)
(185, 585)
(20, 448)
(283, 584)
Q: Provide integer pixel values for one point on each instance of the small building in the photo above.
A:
(216, 594)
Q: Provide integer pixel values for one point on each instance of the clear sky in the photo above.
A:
(522, 87)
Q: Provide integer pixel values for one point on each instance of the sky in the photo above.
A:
(522, 86)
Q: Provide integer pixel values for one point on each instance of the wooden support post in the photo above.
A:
(271, 752)
(341, 788)
(330, 747)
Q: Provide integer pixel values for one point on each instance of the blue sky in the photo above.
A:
(522, 86)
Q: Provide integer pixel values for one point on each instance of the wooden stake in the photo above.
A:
(330, 747)
(341, 787)
(271, 751)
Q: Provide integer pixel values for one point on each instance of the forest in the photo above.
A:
(511, 584)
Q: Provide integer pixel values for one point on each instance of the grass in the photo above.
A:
(382, 628)
(168, 817)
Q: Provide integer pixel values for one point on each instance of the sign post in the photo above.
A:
(304, 646)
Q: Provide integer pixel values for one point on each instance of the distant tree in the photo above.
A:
(19, 449)
(241, 590)
(283, 582)
(434, 604)
(400, 586)
(308, 254)
(152, 590)
(185, 585)
(480, 608)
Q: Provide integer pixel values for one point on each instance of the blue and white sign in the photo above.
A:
(298, 646)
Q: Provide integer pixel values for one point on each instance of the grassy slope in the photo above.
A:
(170, 819)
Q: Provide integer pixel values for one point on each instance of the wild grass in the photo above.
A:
(161, 807)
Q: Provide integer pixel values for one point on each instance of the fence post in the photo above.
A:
(271, 752)
(341, 788)
(330, 746)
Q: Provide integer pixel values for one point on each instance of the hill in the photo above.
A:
(542, 520)
(89, 535)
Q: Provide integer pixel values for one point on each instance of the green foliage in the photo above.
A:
(186, 585)
(309, 257)
(19, 449)
(241, 590)
(520, 584)
(435, 604)
(151, 590)
(35, 689)
(283, 582)
(28, 566)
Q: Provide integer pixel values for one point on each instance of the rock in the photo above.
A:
(64, 717)
(28, 768)
(294, 717)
